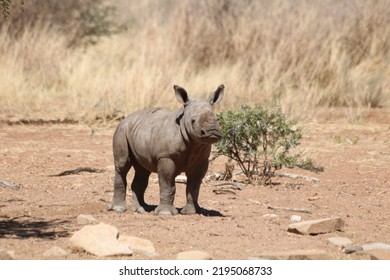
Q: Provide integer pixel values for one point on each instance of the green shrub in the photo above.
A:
(84, 22)
(260, 140)
(4, 8)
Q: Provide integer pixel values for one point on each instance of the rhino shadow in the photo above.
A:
(202, 211)
(16, 228)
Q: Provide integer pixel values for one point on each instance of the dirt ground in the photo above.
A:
(42, 213)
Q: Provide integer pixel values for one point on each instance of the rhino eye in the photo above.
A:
(192, 121)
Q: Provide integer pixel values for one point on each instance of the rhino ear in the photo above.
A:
(181, 95)
(217, 95)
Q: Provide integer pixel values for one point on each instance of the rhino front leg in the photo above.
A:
(166, 170)
(194, 181)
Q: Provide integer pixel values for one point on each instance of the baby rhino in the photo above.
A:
(169, 143)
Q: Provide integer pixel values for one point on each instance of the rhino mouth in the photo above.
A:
(210, 135)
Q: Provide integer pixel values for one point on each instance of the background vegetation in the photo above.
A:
(82, 59)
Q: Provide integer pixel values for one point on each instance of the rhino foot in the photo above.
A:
(166, 210)
(189, 209)
(140, 209)
(117, 208)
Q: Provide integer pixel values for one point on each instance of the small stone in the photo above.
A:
(295, 218)
(295, 255)
(193, 255)
(100, 240)
(55, 252)
(317, 226)
(340, 241)
(86, 219)
(7, 254)
(181, 179)
(137, 244)
(270, 216)
(217, 176)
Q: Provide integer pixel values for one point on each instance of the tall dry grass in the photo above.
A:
(299, 55)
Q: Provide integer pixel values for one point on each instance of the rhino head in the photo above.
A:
(196, 119)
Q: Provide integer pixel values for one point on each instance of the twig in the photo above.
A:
(289, 209)
(236, 186)
(255, 201)
(294, 176)
(348, 193)
(10, 185)
(223, 192)
(385, 226)
(77, 171)
(382, 192)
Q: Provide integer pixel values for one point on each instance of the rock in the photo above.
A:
(377, 254)
(352, 249)
(86, 219)
(317, 226)
(55, 252)
(100, 240)
(7, 254)
(366, 247)
(193, 255)
(295, 255)
(375, 246)
(270, 216)
(137, 244)
(181, 179)
(340, 241)
(295, 218)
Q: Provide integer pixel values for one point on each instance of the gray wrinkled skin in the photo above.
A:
(169, 143)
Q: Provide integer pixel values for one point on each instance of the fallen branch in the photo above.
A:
(77, 171)
(294, 176)
(10, 185)
(302, 210)
(235, 186)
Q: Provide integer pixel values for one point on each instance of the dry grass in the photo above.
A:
(299, 55)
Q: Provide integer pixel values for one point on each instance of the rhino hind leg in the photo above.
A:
(123, 164)
(118, 203)
(138, 187)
